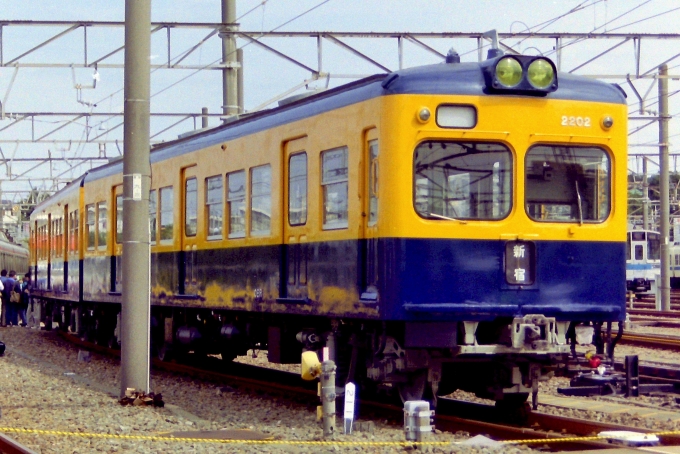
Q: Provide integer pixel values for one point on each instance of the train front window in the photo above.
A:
(568, 184)
(653, 246)
(462, 180)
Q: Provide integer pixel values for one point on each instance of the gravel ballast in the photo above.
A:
(44, 386)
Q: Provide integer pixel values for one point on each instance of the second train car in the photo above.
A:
(438, 228)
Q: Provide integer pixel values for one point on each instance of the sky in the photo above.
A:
(268, 76)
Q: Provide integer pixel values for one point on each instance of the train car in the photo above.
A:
(643, 261)
(443, 227)
(13, 256)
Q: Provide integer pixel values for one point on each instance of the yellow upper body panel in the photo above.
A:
(519, 124)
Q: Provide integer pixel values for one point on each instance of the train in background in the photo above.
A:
(444, 227)
(13, 256)
(643, 261)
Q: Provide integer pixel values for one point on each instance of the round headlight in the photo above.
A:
(508, 72)
(424, 114)
(540, 73)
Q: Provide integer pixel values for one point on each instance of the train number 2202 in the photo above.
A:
(576, 121)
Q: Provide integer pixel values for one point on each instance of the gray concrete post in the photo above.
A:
(135, 310)
(664, 193)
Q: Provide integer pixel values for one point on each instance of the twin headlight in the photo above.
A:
(521, 73)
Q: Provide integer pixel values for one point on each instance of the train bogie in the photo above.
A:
(418, 225)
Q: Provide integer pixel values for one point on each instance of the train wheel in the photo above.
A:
(165, 352)
(514, 407)
(228, 354)
(415, 388)
(113, 342)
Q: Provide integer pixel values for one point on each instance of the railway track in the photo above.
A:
(540, 427)
(11, 446)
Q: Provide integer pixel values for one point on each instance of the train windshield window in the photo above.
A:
(568, 184)
(297, 189)
(89, 227)
(167, 222)
(102, 226)
(261, 200)
(334, 182)
(638, 252)
(190, 207)
(236, 204)
(462, 180)
(653, 246)
(153, 206)
(213, 206)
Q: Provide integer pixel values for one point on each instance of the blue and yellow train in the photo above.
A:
(437, 228)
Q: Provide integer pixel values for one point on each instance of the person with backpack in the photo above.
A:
(10, 284)
(4, 298)
(25, 290)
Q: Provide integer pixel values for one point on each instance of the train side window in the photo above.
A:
(214, 194)
(236, 203)
(190, 207)
(462, 180)
(102, 225)
(261, 200)
(60, 237)
(119, 218)
(297, 189)
(628, 246)
(638, 252)
(153, 215)
(73, 226)
(567, 184)
(53, 238)
(373, 182)
(89, 227)
(334, 179)
(167, 222)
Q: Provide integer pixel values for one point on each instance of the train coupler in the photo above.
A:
(537, 332)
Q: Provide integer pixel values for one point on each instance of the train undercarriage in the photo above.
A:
(502, 360)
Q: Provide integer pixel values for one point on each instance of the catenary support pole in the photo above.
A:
(135, 311)
(645, 195)
(229, 60)
(664, 190)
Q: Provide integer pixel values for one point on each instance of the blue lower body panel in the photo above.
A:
(465, 279)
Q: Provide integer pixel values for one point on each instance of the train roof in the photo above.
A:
(444, 79)
(61, 194)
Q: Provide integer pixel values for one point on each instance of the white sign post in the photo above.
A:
(350, 393)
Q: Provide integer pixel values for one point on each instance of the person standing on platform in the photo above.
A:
(9, 284)
(5, 301)
(25, 298)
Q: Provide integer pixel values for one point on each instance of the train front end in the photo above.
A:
(509, 234)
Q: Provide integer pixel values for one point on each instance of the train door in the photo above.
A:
(368, 244)
(117, 251)
(295, 251)
(189, 232)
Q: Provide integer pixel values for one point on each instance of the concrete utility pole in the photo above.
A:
(135, 311)
(664, 190)
(230, 101)
(645, 196)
